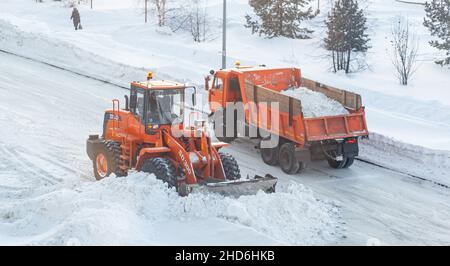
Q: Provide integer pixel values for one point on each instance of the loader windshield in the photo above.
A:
(164, 106)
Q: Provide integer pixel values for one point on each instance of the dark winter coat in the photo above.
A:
(75, 17)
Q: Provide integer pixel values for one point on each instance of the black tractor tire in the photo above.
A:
(114, 147)
(288, 161)
(163, 169)
(230, 166)
(110, 151)
(270, 155)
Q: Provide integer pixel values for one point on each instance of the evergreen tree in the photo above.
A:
(437, 20)
(346, 25)
(280, 18)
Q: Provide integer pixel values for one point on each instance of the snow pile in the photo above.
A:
(46, 49)
(140, 209)
(427, 163)
(316, 104)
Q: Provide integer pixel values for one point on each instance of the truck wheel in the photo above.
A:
(230, 166)
(163, 169)
(337, 164)
(288, 162)
(103, 162)
(270, 155)
(349, 162)
(302, 167)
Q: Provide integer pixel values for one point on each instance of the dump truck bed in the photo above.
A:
(263, 89)
(339, 126)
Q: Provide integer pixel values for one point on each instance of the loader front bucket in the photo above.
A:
(234, 188)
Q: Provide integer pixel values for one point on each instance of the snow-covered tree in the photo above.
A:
(405, 48)
(280, 18)
(437, 20)
(346, 33)
(161, 11)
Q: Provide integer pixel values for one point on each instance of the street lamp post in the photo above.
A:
(224, 35)
(145, 11)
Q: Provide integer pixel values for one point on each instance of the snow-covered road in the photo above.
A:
(48, 195)
(376, 204)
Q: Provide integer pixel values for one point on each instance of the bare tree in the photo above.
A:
(405, 48)
(192, 17)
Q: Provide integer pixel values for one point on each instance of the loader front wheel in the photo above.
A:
(288, 162)
(163, 169)
(230, 166)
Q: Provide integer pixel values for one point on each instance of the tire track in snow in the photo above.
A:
(29, 167)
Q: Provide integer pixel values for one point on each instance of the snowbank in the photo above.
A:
(38, 46)
(140, 209)
(416, 160)
(316, 104)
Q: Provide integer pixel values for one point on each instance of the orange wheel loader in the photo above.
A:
(150, 135)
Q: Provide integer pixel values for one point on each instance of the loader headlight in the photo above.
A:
(153, 126)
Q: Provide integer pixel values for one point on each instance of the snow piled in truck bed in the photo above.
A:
(316, 104)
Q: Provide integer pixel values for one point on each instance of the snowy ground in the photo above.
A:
(417, 114)
(48, 195)
(46, 187)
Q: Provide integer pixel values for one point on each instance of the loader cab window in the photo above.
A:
(218, 83)
(164, 107)
(137, 104)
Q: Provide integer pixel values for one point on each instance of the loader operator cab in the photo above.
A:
(157, 103)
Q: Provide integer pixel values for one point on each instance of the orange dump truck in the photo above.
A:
(301, 139)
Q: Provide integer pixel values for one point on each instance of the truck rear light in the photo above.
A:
(350, 141)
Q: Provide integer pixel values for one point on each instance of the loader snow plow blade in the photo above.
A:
(234, 188)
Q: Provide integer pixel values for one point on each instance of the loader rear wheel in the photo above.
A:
(270, 155)
(288, 161)
(163, 169)
(102, 166)
(103, 162)
(116, 151)
(107, 160)
(230, 166)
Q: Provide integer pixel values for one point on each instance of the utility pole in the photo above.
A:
(224, 35)
(91, 3)
(145, 11)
